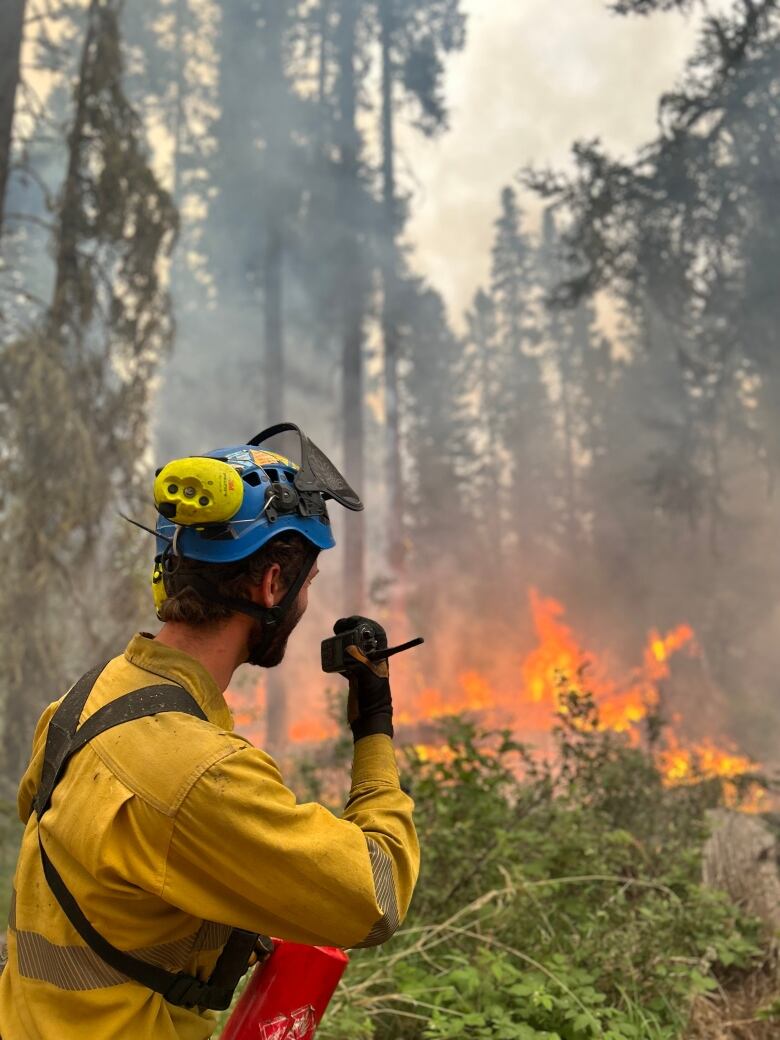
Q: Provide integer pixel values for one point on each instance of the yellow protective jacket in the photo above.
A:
(169, 831)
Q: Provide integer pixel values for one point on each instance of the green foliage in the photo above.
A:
(771, 1012)
(558, 900)
(10, 833)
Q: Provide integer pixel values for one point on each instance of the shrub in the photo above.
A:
(559, 899)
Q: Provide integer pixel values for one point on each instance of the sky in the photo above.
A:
(534, 76)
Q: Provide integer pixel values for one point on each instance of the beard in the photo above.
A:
(270, 654)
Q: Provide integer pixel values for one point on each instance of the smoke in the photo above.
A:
(527, 466)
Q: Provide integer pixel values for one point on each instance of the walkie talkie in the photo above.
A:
(368, 640)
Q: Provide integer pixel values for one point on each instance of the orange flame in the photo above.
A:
(559, 664)
(660, 649)
(524, 693)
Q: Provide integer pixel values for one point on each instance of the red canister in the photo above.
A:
(286, 997)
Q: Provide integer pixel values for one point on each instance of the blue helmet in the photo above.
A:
(223, 506)
(268, 505)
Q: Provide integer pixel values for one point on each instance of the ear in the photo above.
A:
(269, 591)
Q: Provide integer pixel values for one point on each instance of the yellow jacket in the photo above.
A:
(169, 831)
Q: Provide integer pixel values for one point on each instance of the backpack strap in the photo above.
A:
(63, 740)
(62, 726)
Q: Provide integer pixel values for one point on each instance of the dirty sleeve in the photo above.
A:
(244, 852)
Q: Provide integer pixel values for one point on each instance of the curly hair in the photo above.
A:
(231, 580)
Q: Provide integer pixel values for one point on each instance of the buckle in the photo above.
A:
(186, 991)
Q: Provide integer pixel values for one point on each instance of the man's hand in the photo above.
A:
(370, 704)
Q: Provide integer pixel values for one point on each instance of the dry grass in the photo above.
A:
(730, 1014)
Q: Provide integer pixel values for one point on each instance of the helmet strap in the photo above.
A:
(269, 617)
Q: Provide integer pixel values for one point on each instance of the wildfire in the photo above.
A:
(559, 664)
(523, 692)
(685, 764)
(660, 649)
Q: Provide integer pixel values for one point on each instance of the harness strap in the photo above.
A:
(63, 740)
(61, 729)
(151, 700)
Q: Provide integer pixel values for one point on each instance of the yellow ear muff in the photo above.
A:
(158, 585)
(198, 490)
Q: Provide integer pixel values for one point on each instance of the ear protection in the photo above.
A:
(199, 490)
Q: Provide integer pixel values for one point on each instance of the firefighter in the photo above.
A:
(160, 846)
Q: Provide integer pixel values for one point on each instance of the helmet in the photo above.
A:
(223, 506)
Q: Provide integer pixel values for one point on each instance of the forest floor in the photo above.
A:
(733, 1013)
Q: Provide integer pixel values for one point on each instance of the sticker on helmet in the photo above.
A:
(239, 459)
(270, 458)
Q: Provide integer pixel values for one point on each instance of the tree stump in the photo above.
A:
(741, 858)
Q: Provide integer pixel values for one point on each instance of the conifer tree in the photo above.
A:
(413, 37)
(504, 348)
(522, 405)
(75, 402)
(683, 239)
(445, 513)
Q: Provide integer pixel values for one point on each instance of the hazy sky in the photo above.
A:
(534, 76)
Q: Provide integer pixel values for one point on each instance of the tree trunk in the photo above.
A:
(11, 26)
(390, 330)
(35, 683)
(276, 699)
(561, 345)
(276, 692)
(569, 479)
(66, 264)
(273, 316)
(322, 61)
(177, 133)
(178, 109)
(273, 368)
(352, 303)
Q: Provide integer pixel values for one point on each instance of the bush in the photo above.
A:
(558, 900)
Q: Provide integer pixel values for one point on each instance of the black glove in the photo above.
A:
(370, 704)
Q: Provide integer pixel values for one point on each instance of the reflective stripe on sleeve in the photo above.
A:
(382, 869)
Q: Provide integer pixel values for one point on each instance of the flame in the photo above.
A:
(473, 693)
(432, 752)
(524, 692)
(559, 664)
(660, 649)
(557, 655)
(312, 730)
(705, 761)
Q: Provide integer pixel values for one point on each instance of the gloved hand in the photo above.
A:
(370, 703)
(264, 947)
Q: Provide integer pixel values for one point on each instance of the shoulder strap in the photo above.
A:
(62, 726)
(63, 740)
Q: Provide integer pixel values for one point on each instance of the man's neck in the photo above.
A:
(219, 648)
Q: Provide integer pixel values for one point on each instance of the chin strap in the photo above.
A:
(269, 617)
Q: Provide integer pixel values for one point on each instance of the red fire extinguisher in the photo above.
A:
(286, 997)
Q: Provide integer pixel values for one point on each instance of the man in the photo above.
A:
(158, 842)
